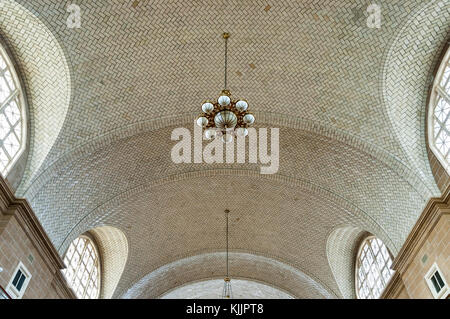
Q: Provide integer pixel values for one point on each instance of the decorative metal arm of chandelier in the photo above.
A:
(225, 117)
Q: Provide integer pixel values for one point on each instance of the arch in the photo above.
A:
(342, 246)
(440, 103)
(116, 211)
(373, 268)
(441, 175)
(284, 277)
(212, 289)
(46, 78)
(82, 270)
(13, 117)
(303, 125)
(406, 100)
(113, 248)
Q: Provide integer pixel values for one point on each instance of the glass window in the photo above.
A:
(83, 268)
(12, 115)
(372, 268)
(439, 114)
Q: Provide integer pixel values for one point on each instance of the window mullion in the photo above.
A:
(77, 268)
(74, 268)
(446, 118)
(445, 130)
(6, 153)
(374, 290)
(442, 93)
(91, 256)
(89, 276)
(91, 272)
(85, 250)
(374, 262)
(12, 96)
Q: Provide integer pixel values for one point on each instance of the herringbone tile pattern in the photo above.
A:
(349, 100)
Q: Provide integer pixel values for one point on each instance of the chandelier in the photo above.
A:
(225, 117)
(227, 294)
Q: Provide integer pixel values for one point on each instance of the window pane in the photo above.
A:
(80, 246)
(75, 260)
(445, 77)
(443, 142)
(435, 284)
(2, 63)
(11, 144)
(374, 247)
(3, 159)
(9, 80)
(386, 275)
(373, 272)
(385, 252)
(10, 114)
(4, 90)
(16, 278)
(83, 262)
(442, 110)
(21, 281)
(4, 127)
(439, 279)
(439, 115)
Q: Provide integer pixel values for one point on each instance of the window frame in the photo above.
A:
(11, 289)
(22, 106)
(443, 293)
(99, 264)
(357, 263)
(436, 92)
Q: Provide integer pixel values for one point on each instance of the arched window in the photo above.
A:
(372, 268)
(83, 268)
(439, 114)
(12, 115)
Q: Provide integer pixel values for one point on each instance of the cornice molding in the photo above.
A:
(59, 283)
(393, 287)
(21, 210)
(433, 211)
(12, 207)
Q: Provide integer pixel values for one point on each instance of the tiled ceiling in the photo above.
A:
(349, 100)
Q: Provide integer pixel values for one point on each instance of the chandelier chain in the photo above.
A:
(227, 243)
(226, 36)
(225, 117)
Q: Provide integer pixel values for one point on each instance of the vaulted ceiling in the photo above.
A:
(349, 100)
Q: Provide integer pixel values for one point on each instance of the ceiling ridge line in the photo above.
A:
(210, 252)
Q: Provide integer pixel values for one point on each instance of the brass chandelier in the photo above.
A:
(225, 117)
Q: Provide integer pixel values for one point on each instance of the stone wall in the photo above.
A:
(427, 244)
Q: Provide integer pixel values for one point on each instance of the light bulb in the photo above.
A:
(249, 118)
(224, 100)
(207, 107)
(227, 138)
(241, 106)
(242, 131)
(202, 121)
(210, 133)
